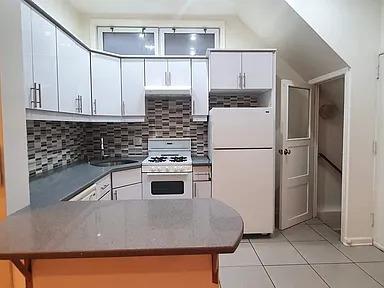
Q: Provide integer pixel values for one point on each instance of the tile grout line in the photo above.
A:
(262, 264)
(313, 269)
(352, 261)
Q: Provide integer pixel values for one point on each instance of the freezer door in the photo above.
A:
(241, 127)
(244, 180)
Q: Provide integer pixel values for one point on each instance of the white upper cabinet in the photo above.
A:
(44, 63)
(246, 71)
(200, 89)
(179, 72)
(225, 70)
(156, 72)
(257, 69)
(171, 72)
(26, 27)
(74, 76)
(106, 85)
(133, 93)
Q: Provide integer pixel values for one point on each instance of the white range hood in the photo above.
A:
(168, 91)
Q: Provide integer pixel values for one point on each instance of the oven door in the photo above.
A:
(167, 185)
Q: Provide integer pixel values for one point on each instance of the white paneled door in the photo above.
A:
(295, 188)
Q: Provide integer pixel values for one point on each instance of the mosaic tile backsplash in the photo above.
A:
(53, 144)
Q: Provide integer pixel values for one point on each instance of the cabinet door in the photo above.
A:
(132, 192)
(257, 68)
(202, 189)
(199, 87)
(155, 72)
(44, 62)
(133, 93)
(74, 76)
(179, 72)
(26, 30)
(106, 197)
(106, 85)
(225, 69)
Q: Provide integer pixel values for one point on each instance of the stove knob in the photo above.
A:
(167, 169)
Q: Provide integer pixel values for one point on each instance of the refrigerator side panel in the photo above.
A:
(241, 127)
(244, 180)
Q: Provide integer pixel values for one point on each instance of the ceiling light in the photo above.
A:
(193, 37)
(192, 51)
(142, 35)
(150, 47)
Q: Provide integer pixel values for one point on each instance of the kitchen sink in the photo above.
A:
(113, 162)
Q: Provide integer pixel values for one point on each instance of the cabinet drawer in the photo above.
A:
(127, 177)
(131, 192)
(103, 186)
(202, 173)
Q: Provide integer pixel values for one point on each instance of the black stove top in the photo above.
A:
(178, 159)
(158, 159)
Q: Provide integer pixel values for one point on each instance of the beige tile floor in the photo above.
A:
(308, 255)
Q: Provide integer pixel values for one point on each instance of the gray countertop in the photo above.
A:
(121, 228)
(201, 161)
(64, 183)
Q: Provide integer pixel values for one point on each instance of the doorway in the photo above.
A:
(329, 111)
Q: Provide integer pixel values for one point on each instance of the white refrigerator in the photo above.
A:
(241, 148)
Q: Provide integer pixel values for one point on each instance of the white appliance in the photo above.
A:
(167, 171)
(241, 148)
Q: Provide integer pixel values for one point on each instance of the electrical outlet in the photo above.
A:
(137, 141)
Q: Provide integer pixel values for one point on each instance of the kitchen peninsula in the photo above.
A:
(167, 243)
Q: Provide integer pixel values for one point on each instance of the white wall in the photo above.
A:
(14, 123)
(66, 15)
(352, 29)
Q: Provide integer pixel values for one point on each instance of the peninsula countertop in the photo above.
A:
(120, 229)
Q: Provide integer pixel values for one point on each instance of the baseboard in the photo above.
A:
(357, 241)
(378, 245)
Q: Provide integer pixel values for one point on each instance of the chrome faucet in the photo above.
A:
(102, 149)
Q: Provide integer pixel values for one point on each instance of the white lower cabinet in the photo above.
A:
(131, 192)
(202, 189)
(106, 197)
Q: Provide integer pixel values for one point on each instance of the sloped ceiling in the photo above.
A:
(273, 21)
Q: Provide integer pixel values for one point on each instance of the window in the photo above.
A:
(177, 41)
(129, 41)
(157, 41)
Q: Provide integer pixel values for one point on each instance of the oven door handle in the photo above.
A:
(167, 174)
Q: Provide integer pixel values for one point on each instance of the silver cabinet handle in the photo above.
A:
(77, 99)
(166, 78)
(170, 78)
(114, 195)
(123, 108)
(193, 106)
(81, 104)
(244, 80)
(194, 190)
(33, 95)
(94, 106)
(240, 81)
(39, 92)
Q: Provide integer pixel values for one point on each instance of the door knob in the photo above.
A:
(287, 151)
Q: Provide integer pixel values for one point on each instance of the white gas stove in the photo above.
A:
(167, 171)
